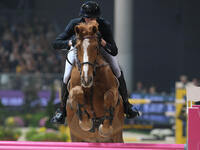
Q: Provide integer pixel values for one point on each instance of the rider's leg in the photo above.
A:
(129, 110)
(60, 114)
(130, 113)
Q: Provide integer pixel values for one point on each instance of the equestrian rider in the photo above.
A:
(90, 10)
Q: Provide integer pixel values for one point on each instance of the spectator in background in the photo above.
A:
(5, 65)
(195, 82)
(184, 79)
(140, 88)
(152, 90)
(183, 82)
(21, 68)
(24, 47)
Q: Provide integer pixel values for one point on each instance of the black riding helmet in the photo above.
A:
(90, 9)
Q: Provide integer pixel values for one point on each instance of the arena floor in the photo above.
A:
(131, 137)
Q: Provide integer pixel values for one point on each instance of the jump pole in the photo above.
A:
(20, 145)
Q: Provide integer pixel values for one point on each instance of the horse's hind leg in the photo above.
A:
(110, 100)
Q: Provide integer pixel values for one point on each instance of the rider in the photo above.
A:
(90, 10)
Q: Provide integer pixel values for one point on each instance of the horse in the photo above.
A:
(94, 108)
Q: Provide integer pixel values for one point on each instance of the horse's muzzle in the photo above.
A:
(87, 82)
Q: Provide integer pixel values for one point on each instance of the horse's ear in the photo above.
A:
(94, 29)
(77, 30)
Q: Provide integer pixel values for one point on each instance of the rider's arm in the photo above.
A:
(62, 40)
(110, 46)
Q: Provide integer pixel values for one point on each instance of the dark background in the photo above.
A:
(166, 41)
(158, 42)
(166, 34)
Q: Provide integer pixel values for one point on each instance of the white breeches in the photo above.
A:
(68, 67)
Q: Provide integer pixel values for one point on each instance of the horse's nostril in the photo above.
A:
(86, 81)
(83, 81)
(90, 79)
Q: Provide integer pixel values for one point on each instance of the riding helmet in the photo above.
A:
(90, 9)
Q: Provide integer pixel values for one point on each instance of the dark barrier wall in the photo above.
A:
(158, 38)
(192, 37)
(166, 41)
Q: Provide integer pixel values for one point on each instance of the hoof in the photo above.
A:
(86, 126)
(105, 132)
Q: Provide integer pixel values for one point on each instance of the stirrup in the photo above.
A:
(58, 118)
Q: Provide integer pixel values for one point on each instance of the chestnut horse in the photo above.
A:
(94, 109)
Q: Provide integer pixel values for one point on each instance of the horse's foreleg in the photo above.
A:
(110, 100)
(77, 94)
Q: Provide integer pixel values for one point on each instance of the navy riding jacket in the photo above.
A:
(62, 39)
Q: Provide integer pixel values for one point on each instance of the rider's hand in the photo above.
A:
(70, 43)
(103, 42)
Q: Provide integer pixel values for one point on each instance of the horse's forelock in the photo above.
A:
(93, 23)
(87, 27)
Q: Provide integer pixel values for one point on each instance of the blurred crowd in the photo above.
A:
(26, 47)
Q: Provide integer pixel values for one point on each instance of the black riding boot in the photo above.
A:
(60, 114)
(130, 113)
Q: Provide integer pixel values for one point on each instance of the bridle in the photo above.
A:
(93, 64)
